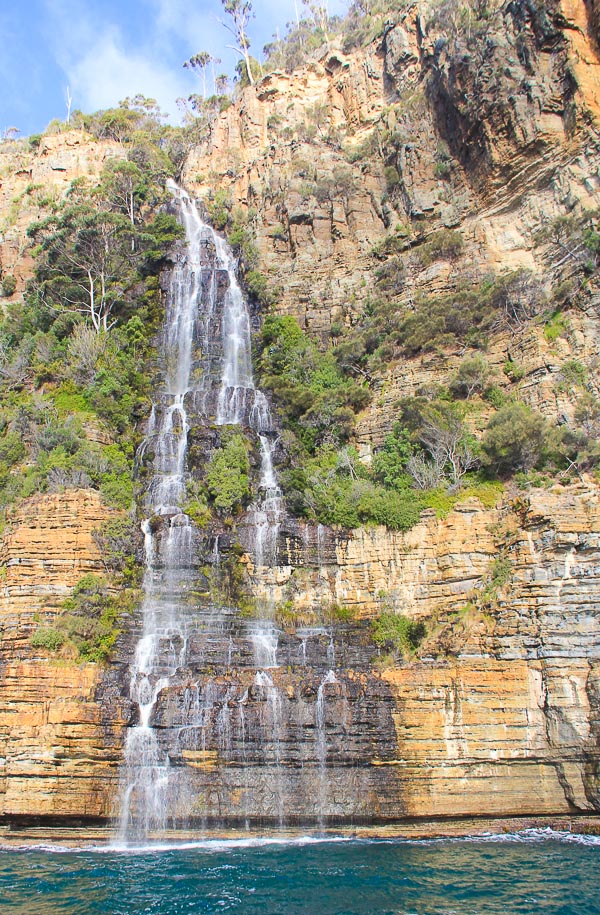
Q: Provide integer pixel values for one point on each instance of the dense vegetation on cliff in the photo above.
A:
(75, 352)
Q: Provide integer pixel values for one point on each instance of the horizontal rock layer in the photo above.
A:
(499, 713)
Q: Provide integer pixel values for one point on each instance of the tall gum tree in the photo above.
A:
(240, 13)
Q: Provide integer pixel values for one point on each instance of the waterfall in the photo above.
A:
(205, 359)
(321, 738)
(269, 693)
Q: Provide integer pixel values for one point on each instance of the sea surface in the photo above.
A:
(526, 873)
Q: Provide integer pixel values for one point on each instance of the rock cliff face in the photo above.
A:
(498, 713)
(59, 745)
(498, 717)
(32, 179)
(495, 144)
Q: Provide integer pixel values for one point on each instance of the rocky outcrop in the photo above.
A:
(31, 180)
(318, 193)
(60, 747)
(47, 547)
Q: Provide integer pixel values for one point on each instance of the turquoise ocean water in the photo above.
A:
(527, 873)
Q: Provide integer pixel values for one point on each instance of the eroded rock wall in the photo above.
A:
(60, 746)
(31, 180)
(498, 715)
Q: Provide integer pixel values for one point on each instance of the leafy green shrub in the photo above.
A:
(395, 243)
(392, 177)
(513, 371)
(499, 574)
(12, 448)
(48, 638)
(162, 232)
(467, 314)
(88, 621)
(227, 477)
(439, 499)
(258, 286)
(471, 377)
(318, 400)
(340, 613)
(68, 399)
(445, 244)
(442, 170)
(55, 434)
(335, 488)
(117, 490)
(495, 396)
(393, 630)
(517, 438)
(9, 284)
(573, 375)
(241, 238)
(556, 327)
(90, 617)
(389, 463)
(398, 511)
(118, 540)
(587, 415)
(197, 511)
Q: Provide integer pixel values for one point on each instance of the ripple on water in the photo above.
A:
(515, 874)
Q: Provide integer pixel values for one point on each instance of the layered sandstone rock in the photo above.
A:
(59, 749)
(496, 716)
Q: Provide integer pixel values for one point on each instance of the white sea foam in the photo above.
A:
(522, 837)
(525, 836)
(204, 844)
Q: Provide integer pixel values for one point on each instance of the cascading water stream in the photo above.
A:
(205, 353)
(321, 736)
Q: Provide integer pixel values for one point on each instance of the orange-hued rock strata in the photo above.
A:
(498, 716)
(57, 756)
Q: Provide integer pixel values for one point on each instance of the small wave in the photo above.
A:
(217, 844)
(205, 844)
(42, 846)
(522, 837)
(541, 835)
(525, 836)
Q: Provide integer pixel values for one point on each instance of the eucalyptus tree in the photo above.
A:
(85, 261)
(200, 62)
(124, 184)
(240, 13)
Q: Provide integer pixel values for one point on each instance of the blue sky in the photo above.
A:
(105, 50)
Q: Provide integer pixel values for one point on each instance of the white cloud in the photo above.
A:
(102, 67)
(107, 72)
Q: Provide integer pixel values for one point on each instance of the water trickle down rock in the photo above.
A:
(222, 731)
